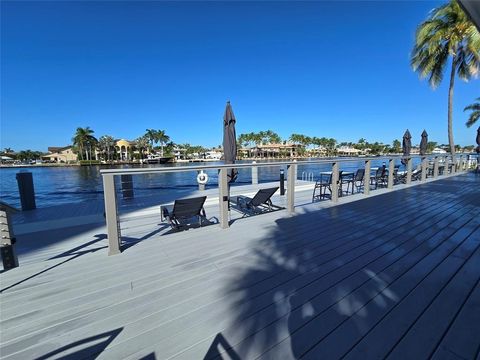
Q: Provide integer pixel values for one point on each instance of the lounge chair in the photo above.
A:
(325, 183)
(260, 203)
(183, 211)
(402, 178)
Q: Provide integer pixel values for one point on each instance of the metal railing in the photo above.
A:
(110, 195)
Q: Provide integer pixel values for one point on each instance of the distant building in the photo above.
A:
(215, 155)
(273, 150)
(61, 154)
(124, 149)
(348, 151)
(438, 151)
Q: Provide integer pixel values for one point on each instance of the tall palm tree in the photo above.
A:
(83, 140)
(152, 136)
(446, 35)
(162, 138)
(7, 150)
(474, 115)
(106, 144)
(142, 144)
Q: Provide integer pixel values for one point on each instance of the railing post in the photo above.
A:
(291, 177)
(435, 167)
(254, 173)
(391, 169)
(409, 170)
(334, 182)
(424, 168)
(223, 197)
(111, 214)
(366, 178)
(454, 165)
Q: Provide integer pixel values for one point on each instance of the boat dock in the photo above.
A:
(394, 274)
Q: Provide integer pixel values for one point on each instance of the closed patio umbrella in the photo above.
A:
(478, 140)
(229, 141)
(423, 143)
(406, 146)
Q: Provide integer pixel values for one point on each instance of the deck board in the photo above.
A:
(323, 282)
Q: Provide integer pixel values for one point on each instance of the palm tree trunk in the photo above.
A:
(450, 109)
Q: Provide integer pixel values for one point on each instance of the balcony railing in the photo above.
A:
(110, 195)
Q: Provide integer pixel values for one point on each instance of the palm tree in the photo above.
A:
(152, 136)
(162, 138)
(447, 34)
(141, 144)
(83, 140)
(7, 150)
(474, 115)
(106, 144)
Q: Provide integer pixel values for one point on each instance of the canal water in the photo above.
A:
(74, 184)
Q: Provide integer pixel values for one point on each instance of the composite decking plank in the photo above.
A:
(400, 312)
(461, 339)
(348, 287)
(327, 287)
(429, 328)
(385, 286)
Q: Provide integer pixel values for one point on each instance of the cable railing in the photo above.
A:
(435, 163)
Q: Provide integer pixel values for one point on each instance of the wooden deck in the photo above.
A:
(394, 275)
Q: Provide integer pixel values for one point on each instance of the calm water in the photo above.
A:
(62, 185)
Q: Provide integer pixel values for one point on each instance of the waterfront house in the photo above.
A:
(273, 151)
(438, 151)
(124, 149)
(214, 155)
(59, 154)
(348, 151)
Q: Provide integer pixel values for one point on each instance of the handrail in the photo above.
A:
(142, 170)
(110, 195)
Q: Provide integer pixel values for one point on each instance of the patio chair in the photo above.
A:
(260, 203)
(380, 178)
(356, 181)
(183, 211)
(325, 183)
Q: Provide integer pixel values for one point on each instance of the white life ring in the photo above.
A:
(202, 178)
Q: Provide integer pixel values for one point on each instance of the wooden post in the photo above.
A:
(424, 168)
(435, 167)
(366, 178)
(291, 177)
(111, 214)
(7, 243)
(335, 181)
(409, 170)
(391, 169)
(454, 165)
(223, 197)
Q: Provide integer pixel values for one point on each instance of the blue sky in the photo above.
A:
(334, 69)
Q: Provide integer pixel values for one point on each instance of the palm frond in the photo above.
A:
(474, 116)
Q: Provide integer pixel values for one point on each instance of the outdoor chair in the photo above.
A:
(380, 177)
(183, 211)
(325, 183)
(356, 181)
(260, 203)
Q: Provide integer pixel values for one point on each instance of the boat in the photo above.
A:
(157, 159)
